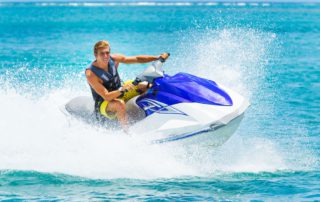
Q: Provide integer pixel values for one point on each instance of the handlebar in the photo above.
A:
(153, 71)
(164, 57)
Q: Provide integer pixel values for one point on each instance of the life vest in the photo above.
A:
(111, 79)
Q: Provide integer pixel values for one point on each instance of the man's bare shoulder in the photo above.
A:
(90, 75)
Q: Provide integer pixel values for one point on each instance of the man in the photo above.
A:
(104, 80)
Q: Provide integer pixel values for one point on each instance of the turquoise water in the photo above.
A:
(268, 52)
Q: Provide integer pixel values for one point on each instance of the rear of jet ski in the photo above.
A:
(82, 108)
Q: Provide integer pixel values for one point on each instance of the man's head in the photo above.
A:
(102, 51)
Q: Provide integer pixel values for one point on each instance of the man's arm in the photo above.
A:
(134, 59)
(93, 80)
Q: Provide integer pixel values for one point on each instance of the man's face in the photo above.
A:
(103, 55)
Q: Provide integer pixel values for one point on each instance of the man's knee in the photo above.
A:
(116, 106)
(120, 105)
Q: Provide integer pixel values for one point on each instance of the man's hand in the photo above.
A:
(127, 87)
(164, 56)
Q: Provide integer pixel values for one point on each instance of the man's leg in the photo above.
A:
(118, 107)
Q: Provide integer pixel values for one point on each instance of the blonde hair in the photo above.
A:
(100, 44)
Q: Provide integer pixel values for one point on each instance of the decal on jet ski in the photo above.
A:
(153, 106)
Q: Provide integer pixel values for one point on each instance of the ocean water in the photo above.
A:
(268, 52)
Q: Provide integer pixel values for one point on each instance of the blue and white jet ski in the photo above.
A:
(182, 107)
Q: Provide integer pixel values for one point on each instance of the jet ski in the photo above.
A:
(179, 108)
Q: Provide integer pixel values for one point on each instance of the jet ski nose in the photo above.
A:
(218, 96)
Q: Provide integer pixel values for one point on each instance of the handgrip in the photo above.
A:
(136, 81)
(164, 57)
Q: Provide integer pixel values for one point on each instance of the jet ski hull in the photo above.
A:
(177, 127)
(214, 136)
